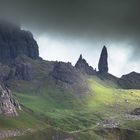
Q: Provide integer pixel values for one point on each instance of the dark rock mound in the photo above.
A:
(69, 77)
(23, 71)
(84, 67)
(136, 111)
(14, 42)
(65, 72)
(103, 63)
(130, 81)
(8, 104)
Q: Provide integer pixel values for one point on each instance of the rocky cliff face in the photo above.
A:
(14, 45)
(23, 69)
(15, 42)
(69, 77)
(19, 69)
(103, 63)
(65, 72)
(84, 67)
(8, 104)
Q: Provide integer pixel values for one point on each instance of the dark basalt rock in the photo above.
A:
(15, 42)
(130, 81)
(103, 63)
(65, 72)
(22, 69)
(19, 69)
(84, 67)
(8, 104)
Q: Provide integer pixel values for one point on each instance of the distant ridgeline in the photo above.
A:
(20, 61)
(19, 54)
(14, 42)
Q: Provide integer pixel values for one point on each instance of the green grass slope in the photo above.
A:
(82, 117)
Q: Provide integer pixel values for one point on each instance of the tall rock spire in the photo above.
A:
(103, 62)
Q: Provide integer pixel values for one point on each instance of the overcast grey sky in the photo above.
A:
(66, 28)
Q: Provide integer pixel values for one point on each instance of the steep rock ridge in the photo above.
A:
(65, 72)
(69, 77)
(8, 104)
(84, 67)
(19, 69)
(103, 63)
(14, 42)
(130, 81)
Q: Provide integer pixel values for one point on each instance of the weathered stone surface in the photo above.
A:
(65, 72)
(103, 63)
(23, 69)
(8, 104)
(69, 77)
(14, 42)
(20, 69)
(84, 67)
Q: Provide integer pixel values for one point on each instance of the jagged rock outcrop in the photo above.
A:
(103, 62)
(130, 81)
(19, 69)
(65, 72)
(15, 42)
(8, 104)
(68, 76)
(22, 69)
(84, 67)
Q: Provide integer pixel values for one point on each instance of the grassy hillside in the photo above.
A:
(82, 117)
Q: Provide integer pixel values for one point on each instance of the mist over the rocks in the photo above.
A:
(66, 28)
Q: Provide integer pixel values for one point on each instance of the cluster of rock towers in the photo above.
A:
(102, 65)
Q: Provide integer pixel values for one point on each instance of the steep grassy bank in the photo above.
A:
(105, 105)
